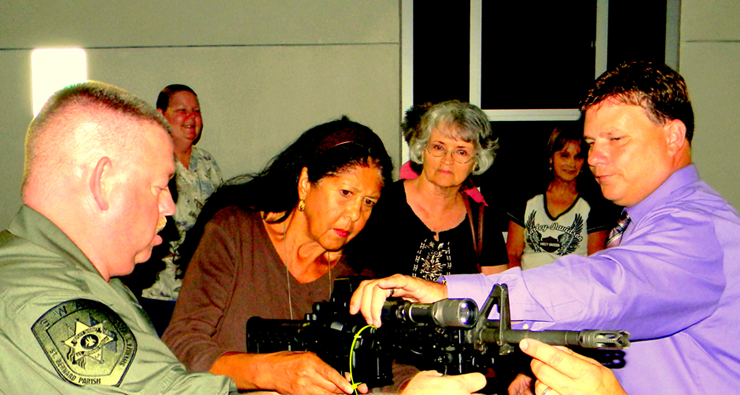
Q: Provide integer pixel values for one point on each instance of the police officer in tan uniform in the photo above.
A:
(95, 195)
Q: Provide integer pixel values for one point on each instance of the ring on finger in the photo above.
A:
(547, 390)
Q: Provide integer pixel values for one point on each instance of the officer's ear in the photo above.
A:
(99, 183)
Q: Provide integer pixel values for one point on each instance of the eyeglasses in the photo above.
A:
(460, 156)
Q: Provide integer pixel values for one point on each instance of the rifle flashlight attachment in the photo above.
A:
(453, 313)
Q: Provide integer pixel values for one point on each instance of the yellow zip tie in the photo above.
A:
(351, 354)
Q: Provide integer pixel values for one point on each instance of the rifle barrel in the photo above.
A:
(605, 340)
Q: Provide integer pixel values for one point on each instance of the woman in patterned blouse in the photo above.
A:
(196, 177)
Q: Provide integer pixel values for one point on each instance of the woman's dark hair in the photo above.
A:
(164, 97)
(411, 128)
(326, 150)
(163, 100)
(411, 124)
(559, 139)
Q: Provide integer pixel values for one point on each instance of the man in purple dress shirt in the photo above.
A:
(673, 281)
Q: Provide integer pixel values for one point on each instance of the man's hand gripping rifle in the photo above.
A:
(451, 336)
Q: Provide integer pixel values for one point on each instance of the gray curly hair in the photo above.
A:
(467, 122)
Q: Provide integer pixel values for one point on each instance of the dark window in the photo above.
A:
(441, 51)
(537, 55)
(636, 31)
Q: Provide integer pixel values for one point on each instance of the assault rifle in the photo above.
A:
(451, 336)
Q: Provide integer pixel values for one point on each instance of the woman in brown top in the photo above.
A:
(271, 247)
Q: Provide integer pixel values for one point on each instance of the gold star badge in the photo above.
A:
(88, 341)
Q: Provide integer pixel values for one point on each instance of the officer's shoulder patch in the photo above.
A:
(86, 342)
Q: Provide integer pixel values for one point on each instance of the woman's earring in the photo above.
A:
(301, 205)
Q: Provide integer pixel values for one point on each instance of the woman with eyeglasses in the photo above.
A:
(425, 226)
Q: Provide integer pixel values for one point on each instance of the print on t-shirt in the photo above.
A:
(568, 239)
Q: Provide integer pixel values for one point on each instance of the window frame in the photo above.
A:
(476, 27)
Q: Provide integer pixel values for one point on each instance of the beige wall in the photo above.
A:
(710, 62)
(265, 71)
(16, 111)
